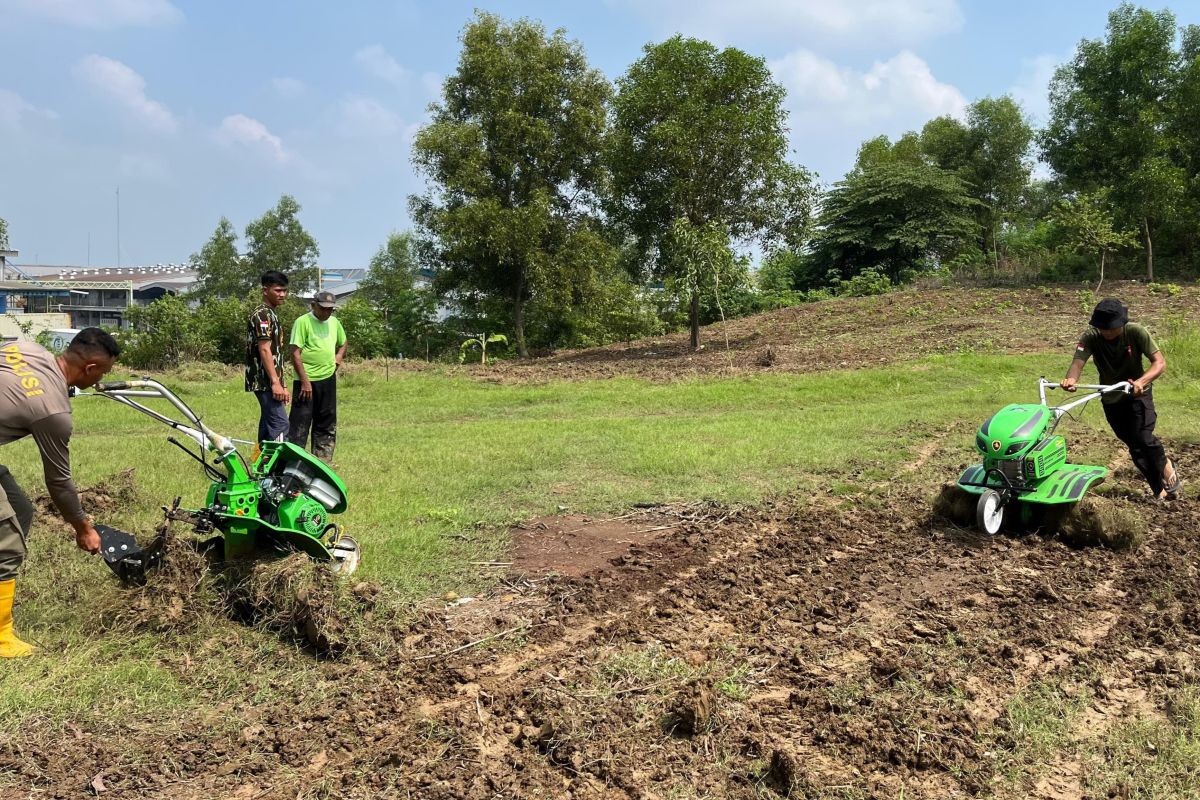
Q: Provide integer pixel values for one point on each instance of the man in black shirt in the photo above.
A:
(1118, 347)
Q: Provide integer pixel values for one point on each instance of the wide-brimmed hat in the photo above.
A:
(324, 300)
(1108, 314)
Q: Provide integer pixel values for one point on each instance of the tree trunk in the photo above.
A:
(1149, 250)
(1103, 253)
(695, 319)
(519, 328)
(519, 316)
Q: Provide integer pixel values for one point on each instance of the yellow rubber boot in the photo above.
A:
(10, 645)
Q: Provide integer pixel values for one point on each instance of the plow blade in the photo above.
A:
(128, 559)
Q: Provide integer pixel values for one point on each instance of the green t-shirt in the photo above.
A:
(1120, 359)
(318, 342)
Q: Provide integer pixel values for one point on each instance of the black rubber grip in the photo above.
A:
(112, 386)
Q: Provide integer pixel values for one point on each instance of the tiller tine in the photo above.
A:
(128, 559)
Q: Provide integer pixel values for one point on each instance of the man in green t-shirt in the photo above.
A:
(1118, 347)
(318, 346)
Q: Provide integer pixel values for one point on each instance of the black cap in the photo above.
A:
(1109, 314)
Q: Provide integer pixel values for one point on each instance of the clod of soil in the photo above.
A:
(955, 504)
(293, 595)
(693, 712)
(176, 594)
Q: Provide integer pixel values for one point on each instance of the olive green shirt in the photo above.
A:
(1120, 359)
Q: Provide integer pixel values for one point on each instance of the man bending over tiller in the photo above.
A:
(33, 402)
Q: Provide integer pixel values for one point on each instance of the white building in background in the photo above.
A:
(86, 296)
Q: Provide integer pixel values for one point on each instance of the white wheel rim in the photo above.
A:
(345, 556)
(993, 514)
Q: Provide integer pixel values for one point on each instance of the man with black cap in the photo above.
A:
(318, 347)
(1118, 347)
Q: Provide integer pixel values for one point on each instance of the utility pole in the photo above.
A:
(118, 226)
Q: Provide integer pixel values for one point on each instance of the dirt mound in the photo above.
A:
(845, 333)
(114, 493)
(955, 504)
(177, 595)
(1117, 523)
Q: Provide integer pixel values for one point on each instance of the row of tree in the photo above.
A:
(1122, 150)
(568, 210)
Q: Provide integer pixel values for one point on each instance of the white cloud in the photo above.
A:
(288, 87)
(238, 130)
(365, 117)
(128, 89)
(375, 60)
(872, 21)
(903, 87)
(99, 14)
(15, 110)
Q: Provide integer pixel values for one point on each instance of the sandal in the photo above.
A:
(1172, 488)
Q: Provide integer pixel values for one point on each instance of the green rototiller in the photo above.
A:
(280, 503)
(1025, 462)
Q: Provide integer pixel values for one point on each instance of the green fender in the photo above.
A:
(1067, 484)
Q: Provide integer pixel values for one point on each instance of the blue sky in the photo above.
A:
(198, 110)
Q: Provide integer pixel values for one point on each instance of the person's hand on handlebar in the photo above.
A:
(1139, 387)
(1068, 383)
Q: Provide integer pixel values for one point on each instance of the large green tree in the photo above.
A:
(990, 152)
(699, 135)
(1183, 124)
(220, 270)
(512, 156)
(277, 240)
(1109, 113)
(892, 217)
(3, 234)
(391, 288)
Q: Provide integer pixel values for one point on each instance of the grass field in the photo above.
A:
(438, 464)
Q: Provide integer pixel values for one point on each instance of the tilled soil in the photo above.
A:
(818, 647)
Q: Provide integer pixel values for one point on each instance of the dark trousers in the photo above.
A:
(272, 418)
(16, 515)
(318, 414)
(1132, 419)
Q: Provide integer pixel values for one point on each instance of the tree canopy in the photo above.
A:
(512, 156)
(699, 135)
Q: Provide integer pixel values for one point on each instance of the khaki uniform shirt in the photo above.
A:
(34, 402)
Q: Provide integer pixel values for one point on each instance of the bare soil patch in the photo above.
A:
(577, 545)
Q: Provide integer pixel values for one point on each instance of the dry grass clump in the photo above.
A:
(177, 594)
(306, 600)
